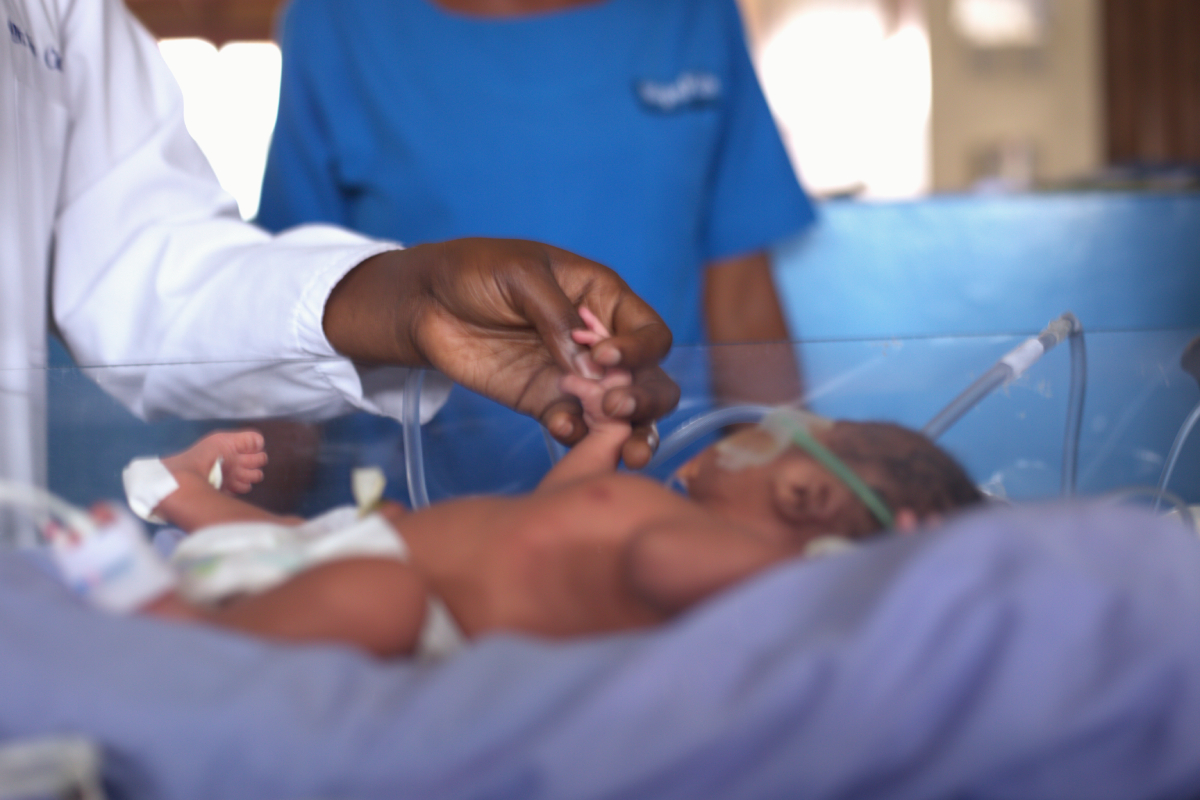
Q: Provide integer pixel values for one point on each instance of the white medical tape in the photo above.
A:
(116, 569)
(440, 635)
(1021, 358)
(367, 485)
(147, 484)
(215, 476)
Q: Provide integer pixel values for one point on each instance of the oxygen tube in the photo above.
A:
(1010, 367)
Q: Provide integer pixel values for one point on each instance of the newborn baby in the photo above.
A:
(591, 550)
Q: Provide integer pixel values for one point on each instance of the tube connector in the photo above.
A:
(1059, 329)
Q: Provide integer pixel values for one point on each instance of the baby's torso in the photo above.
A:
(550, 563)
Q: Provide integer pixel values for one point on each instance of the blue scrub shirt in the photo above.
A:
(633, 132)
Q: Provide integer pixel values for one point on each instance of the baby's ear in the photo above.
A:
(804, 493)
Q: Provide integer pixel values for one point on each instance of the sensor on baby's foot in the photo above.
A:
(115, 568)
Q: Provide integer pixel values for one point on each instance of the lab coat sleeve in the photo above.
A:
(162, 292)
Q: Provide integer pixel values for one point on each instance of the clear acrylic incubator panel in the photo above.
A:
(1137, 397)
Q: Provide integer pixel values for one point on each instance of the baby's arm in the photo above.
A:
(599, 452)
(196, 504)
(678, 563)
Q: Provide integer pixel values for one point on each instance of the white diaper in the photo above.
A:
(220, 561)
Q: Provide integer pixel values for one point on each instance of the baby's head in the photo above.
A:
(796, 477)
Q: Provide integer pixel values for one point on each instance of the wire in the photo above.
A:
(996, 375)
(44, 507)
(1074, 412)
(1178, 503)
(1176, 447)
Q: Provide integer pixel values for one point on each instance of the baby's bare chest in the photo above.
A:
(557, 565)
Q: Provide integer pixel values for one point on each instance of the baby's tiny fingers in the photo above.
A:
(573, 384)
(593, 322)
(616, 377)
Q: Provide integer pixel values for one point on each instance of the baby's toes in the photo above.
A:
(246, 443)
(242, 480)
(252, 460)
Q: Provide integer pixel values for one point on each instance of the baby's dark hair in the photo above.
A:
(904, 467)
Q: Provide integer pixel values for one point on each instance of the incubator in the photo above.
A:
(1111, 419)
(1027, 425)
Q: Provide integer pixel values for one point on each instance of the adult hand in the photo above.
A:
(496, 316)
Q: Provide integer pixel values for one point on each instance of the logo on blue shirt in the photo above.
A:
(50, 57)
(690, 90)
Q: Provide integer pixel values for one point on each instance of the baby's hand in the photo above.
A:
(591, 392)
(595, 333)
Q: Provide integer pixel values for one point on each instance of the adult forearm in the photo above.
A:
(752, 358)
(372, 312)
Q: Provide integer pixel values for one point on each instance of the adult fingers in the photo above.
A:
(639, 338)
(635, 348)
(641, 445)
(537, 296)
(564, 419)
(651, 395)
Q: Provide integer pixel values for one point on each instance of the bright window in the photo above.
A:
(851, 87)
(230, 97)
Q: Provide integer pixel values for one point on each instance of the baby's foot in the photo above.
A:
(240, 452)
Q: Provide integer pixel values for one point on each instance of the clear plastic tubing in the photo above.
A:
(1074, 411)
(702, 425)
(984, 385)
(1180, 439)
(414, 457)
(1011, 366)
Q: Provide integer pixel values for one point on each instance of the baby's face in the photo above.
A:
(789, 498)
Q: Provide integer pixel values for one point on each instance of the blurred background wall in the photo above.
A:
(1020, 108)
(880, 99)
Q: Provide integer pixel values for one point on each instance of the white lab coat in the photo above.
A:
(113, 224)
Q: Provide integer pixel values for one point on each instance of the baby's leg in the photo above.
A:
(240, 452)
(374, 604)
(196, 504)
